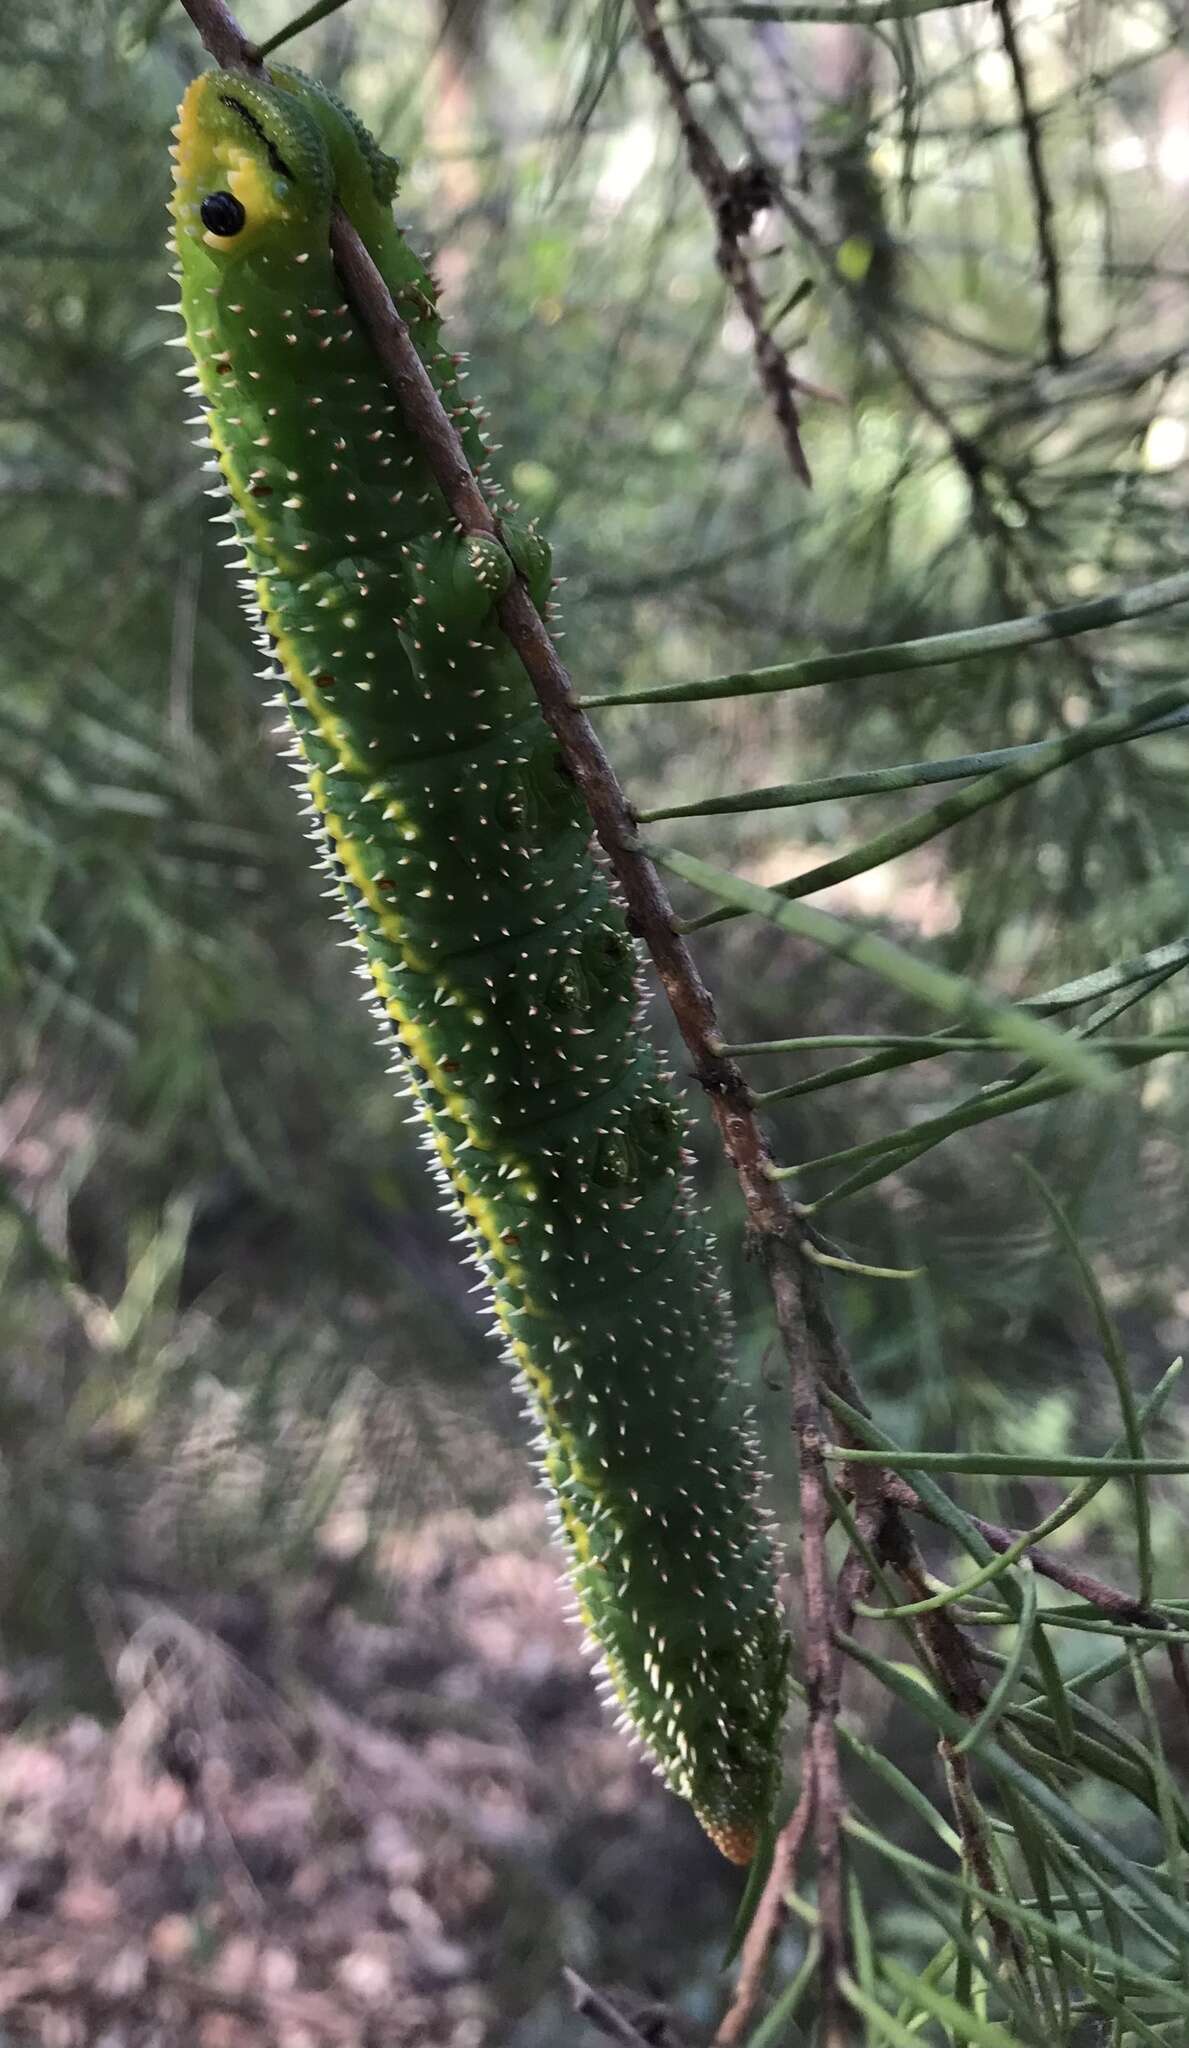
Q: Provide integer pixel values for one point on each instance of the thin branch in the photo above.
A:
(734, 199)
(941, 1642)
(318, 12)
(222, 35)
(880, 781)
(1042, 197)
(976, 1851)
(936, 650)
(854, 1582)
(969, 455)
(1020, 772)
(822, 1663)
(1111, 1600)
(591, 2005)
(769, 1918)
(946, 1651)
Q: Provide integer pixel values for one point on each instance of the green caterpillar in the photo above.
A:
(498, 955)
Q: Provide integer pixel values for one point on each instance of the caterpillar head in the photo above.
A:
(252, 172)
(258, 162)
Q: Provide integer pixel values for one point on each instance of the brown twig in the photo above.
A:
(769, 1917)
(221, 34)
(591, 2005)
(1096, 1592)
(853, 1583)
(734, 199)
(986, 480)
(968, 455)
(946, 1653)
(822, 1672)
(1042, 197)
(941, 1644)
(976, 1854)
(983, 478)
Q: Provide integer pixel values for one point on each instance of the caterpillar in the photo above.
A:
(496, 954)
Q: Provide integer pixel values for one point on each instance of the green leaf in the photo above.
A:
(1054, 1684)
(999, 775)
(895, 1149)
(1116, 1359)
(772, 2030)
(999, 1698)
(1097, 1954)
(1064, 1512)
(967, 2025)
(898, 657)
(923, 826)
(1010, 1464)
(1162, 1912)
(320, 10)
(1167, 1800)
(936, 986)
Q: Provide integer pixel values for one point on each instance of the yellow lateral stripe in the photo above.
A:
(480, 1209)
(249, 511)
(482, 1214)
(453, 1104)
(332, 729)
(347, 850)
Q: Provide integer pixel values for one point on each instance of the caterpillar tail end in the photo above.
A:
(736, 1840)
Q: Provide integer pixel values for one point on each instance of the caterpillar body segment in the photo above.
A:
(500, 960)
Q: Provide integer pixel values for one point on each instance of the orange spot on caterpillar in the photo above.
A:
(736, 1842)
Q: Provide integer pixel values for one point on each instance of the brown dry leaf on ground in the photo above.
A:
(339, 1833)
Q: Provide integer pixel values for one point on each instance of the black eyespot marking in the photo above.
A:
(222, 213)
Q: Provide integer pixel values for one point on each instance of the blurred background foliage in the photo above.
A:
(236, 1346)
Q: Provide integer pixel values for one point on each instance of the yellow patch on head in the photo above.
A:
(213, 156)
(259, 191)
(191, 132)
